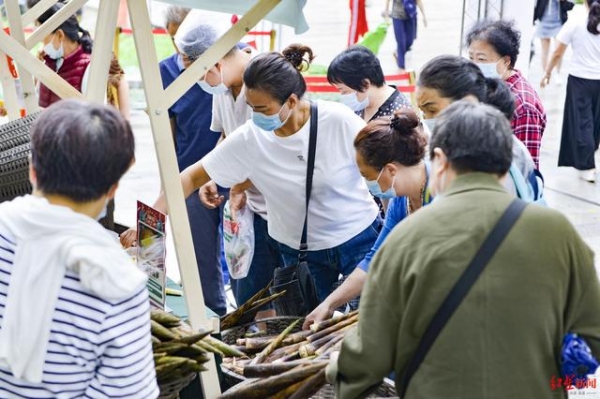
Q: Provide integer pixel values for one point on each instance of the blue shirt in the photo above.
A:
(396, 212)
(192, 114)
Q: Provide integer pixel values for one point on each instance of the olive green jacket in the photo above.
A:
(504, 339)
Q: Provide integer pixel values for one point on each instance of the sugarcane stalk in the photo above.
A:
(297, 337)
(292, 356)
(268, 370)
(274, 344)
(329, 344)
(310, 349)
(284, 351)
(263, 388)
(209, 348)
(316, 327)
(192, 339)
(161, 332)
(223, 347)
(232, 318)
(262, 302)
(310, 386)
(335, 327)
(287, 392)
(241, 348)
(256, 343)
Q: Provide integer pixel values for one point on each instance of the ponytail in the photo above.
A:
(279, 74)
(85, 40)
(594, 17)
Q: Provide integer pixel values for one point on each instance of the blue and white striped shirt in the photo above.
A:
(97, 348)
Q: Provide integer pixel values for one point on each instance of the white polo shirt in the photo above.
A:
(228, 113)
(340, 205)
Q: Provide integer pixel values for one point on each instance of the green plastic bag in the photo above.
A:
(373, 39)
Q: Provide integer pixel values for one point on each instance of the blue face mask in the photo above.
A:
(489, 69)
(351, 101)
(375, 189)
(269, 122)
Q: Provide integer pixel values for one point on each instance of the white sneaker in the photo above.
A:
(588, 175)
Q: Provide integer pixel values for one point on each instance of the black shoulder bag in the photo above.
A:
(462, 287)
(301, 296)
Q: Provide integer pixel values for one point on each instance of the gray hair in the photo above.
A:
(474, 137)
(175, 15)
(196, 41)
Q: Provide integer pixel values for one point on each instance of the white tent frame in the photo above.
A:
(158, 99)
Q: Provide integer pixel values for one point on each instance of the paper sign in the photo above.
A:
(151, 251)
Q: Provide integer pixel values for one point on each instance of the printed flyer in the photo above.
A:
(151, 251)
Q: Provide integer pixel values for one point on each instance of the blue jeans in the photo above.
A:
(404, 31)
(327, 264)
(266, 258)
(204, 224)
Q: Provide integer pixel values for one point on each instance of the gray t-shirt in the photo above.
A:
(398, 10)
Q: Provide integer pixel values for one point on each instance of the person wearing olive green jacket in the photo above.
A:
(504, 340)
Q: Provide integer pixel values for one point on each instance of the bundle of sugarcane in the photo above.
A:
(178, 351)
(289, 365)
(246, 312)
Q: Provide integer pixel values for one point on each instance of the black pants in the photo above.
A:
(581, 124)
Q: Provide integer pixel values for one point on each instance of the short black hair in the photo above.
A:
(501, 35)
(456, 77)
(279, 74)
(80, 149)
(355, 65)
(474, 137)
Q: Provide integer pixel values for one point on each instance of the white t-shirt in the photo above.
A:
(340, 205)
(586, 48)
(227, 115)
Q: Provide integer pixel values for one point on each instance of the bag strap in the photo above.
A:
(462, 287)
(310, 167)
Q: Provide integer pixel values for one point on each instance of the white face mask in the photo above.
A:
(52, 52)
(489, 69)
(214, 90)
(351, 101)
(430, 123)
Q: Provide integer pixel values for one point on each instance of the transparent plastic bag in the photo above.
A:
(238, 240)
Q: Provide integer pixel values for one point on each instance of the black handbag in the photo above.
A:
(461, 288)
(300, 296)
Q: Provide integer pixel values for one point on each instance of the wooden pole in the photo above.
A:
(34, 13)
(102, 53)
(27, 83)
(169, 172)
(36, 67)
